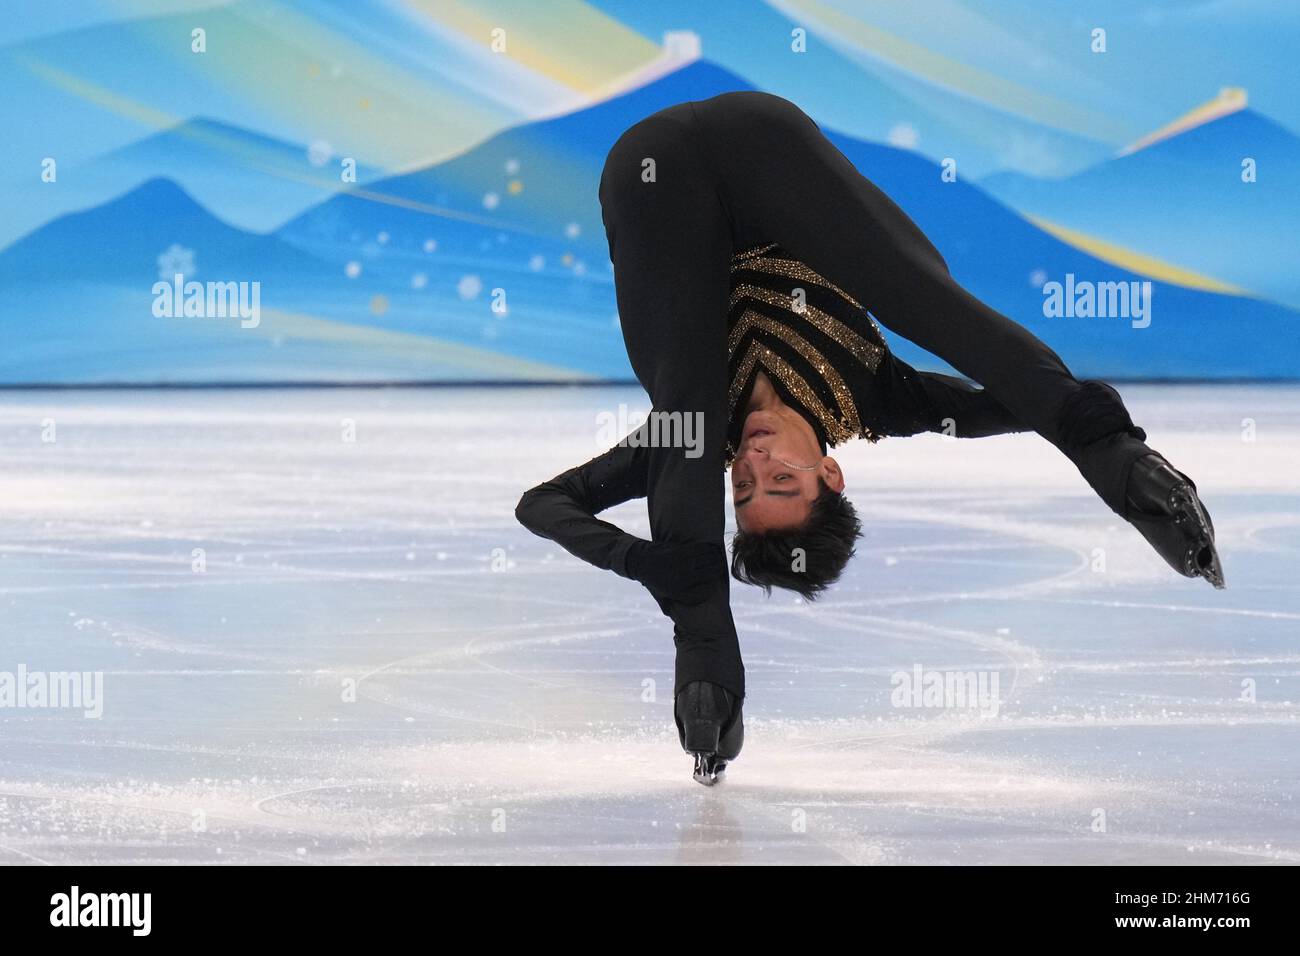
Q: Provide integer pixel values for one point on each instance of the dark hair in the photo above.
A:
(826, 539)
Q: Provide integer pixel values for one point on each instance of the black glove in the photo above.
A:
(686, 573)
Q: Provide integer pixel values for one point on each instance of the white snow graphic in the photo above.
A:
(177, 259)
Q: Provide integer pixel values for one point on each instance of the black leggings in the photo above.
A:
(748, 167)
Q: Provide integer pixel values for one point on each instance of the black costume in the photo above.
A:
(744, 203)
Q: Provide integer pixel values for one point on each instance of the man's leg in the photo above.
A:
(670, 242)
(783, 181)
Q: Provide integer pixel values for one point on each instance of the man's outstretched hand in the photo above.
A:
(686, 573)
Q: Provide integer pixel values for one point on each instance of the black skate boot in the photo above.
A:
(710, 726)
(1164, 507)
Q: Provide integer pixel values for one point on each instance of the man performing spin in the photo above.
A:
(749, 258)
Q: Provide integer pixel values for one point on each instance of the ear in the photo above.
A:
(830, 471)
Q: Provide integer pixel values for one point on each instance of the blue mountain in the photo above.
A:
(79, 308)
(1182, 199)
(1002, 258)
(248, 179)
(355, 288)
(995, 252)
(120, 242)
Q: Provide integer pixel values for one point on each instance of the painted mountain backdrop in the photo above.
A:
(412, 187)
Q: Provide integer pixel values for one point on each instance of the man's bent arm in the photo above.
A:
(564, 508)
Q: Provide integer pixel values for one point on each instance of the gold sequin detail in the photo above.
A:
(843, 397)
(745, 254)
(836, 431)
(868, 353)
(758, 352)
(794, 269)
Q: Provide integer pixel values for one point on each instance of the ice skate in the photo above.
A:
(710, 726)
(1166, 509)
(709, 769)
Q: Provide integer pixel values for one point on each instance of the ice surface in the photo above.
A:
(504, 708)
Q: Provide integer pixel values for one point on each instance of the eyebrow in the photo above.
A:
(776, 494)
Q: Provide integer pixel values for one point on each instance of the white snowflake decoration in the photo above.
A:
(177, 259)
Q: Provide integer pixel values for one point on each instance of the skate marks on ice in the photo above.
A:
(500, 715)
(807, 793)
(595, 798)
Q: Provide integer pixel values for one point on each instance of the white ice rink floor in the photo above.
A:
(514, 705)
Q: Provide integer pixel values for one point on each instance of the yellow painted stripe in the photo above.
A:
(101, 97)
(482, 362)
(569, 42)
(1138, 262)
(933, 67)
(1229, 100)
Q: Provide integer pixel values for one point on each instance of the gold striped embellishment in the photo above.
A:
(868, 353)
(746, 254)
(794, 269)
(843, 396)
(836, 431)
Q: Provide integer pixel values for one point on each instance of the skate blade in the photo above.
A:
(709, 770)
(1213, 571)
(1206, 561)
(1203, 559)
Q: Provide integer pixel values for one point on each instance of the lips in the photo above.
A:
(758, 431)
